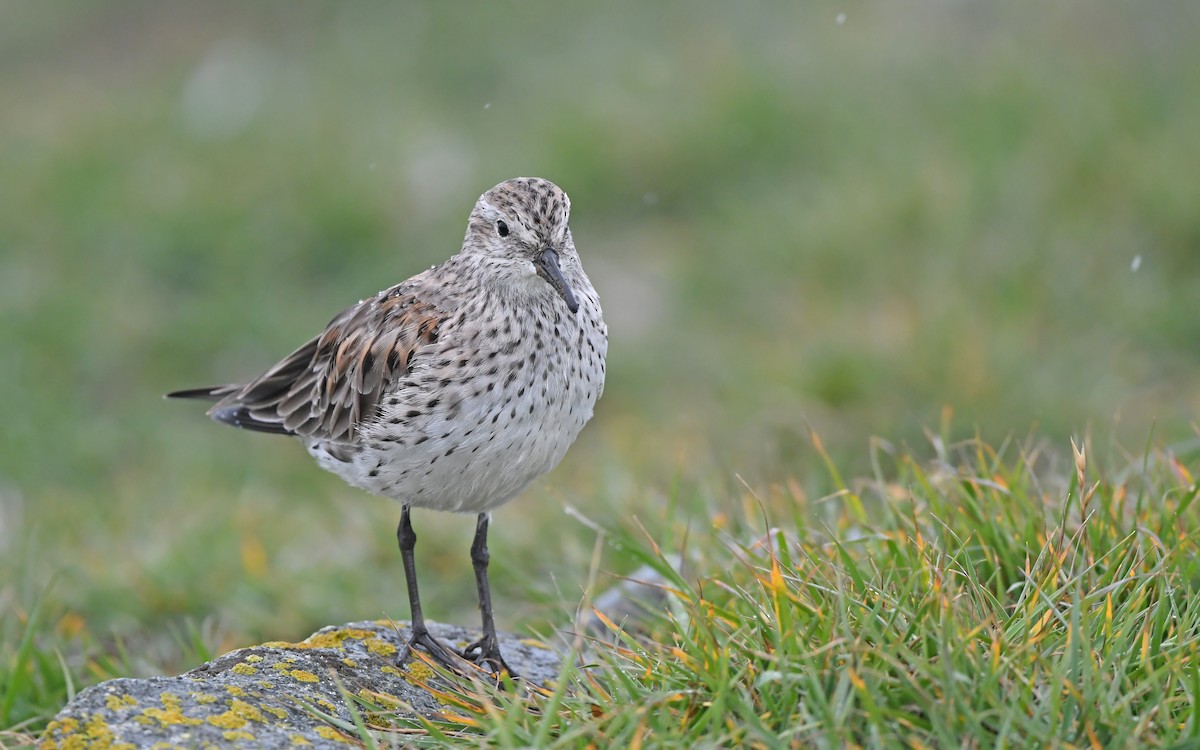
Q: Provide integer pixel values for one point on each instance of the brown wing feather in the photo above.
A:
(331, 385)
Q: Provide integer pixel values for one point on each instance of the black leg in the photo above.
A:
(485, 651)
(420, 634)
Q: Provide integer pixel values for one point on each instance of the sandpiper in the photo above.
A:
(452, 390)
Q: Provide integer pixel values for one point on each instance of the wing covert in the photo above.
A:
(331, 385)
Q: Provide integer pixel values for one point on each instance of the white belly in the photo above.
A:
(471, 453)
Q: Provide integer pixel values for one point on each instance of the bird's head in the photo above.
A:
(520, 225)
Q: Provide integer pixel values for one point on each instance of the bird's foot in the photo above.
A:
(440, 652)
(482, 654)
(486, 653)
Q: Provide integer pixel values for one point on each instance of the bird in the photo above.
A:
(450, 391)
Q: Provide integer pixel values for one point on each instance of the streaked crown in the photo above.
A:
(526, 211)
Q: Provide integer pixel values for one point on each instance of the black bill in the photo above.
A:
(546, 263)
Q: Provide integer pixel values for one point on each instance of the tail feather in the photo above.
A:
(238, 415)
(212, 393)
(233, 413)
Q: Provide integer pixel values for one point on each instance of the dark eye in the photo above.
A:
(501, 228)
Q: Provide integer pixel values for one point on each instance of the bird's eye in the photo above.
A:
(501, 228)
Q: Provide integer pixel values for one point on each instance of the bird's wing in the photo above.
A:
(331, 385)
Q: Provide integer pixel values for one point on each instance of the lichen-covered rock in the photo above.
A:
(274, 695)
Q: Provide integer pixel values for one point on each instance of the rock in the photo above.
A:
(634, 601)
(271, 696)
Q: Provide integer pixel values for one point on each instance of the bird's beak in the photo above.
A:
(546, 262)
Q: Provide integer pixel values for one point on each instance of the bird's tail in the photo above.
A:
(212, 393)
(236, 414)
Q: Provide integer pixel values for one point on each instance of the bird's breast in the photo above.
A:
(484, 412)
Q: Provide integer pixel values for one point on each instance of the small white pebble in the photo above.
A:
(1136, 264)
(841, 18)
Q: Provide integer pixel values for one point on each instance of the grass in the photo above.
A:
(978, 600)
(980, 597)
(797, 225)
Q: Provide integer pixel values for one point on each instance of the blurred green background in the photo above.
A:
(842, 217)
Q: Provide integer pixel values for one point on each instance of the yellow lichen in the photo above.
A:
(299, 739)
(96, 734)
(235, 690)
(205, 698)
(418, 671)
(243, 668)
(303, 676)
(275, 711)
(337, 639)
(246, 711)
(116, 702)
(535, 643)
(389, 669)
(330, 733)
(254, 658)
(237, 734)
(239, 714)
(171, 713)
(283, 666)
(325, 704)
(380, 699)
(378, 647)
(64, 726)
(227, 720)
(332, 639)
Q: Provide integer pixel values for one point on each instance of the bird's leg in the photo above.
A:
(420, 634)
(485, 651)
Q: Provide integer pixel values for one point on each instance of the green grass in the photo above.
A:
(979, 600)
(980, 216)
